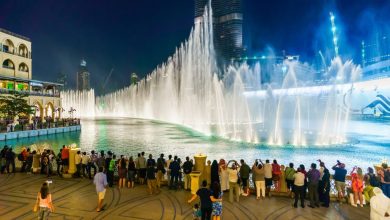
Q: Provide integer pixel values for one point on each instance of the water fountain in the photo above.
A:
(186, 90)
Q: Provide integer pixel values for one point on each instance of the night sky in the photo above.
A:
(136, 36)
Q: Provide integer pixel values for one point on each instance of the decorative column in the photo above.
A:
(72, 164)
(196, 174)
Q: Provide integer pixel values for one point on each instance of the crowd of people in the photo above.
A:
(218, 177)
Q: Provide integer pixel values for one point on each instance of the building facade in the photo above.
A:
(83, 82)
(16, 76)
(376, 57)
(227, 23)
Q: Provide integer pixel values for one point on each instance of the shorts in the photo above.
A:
(142, 173)
(244, 182)
(268, 182)
(101, 194)
(65, 162)
(130, 175)
(290, 184)
(340, 186)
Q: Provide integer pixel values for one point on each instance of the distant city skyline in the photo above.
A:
(136, 36)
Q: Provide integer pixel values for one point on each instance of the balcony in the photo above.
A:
(30, 93)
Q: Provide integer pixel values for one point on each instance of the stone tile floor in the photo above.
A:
(76, 199)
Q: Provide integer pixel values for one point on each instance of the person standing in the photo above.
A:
(29, 161)
(85, 160)
(111, 169)
(44, 202)
(326, 188)
(174, 169)
(299, 188)
(100, 181)
(101, 161)
(357, 185)
(122, 171)
(207, 172)
(234, 187)
(258, 173)
(384, 174)
(168, 163)
(92, 164)
(151, 178)
(320, 182)
(141, 165)
(59, 163)
(205, 202)
(131, 170)
(214, 173)
(65, 158)
(160, 170)
(276, 172)
(289, 172)
(78, 162)
(10, 160)
(224, 175)
(267, 177)
(187, 169)
(216, 199)
(370, 181)
(313, 176)
(244, 175)
(23, 156)
(339, 177)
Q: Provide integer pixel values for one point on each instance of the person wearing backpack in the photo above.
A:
(289, 172)
(384, 173)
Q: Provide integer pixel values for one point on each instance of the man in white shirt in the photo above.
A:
(85, 159)
(234, 186)
(299, 188)
(168, 162)
(267, 177)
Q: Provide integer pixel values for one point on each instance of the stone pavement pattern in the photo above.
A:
(76, 199)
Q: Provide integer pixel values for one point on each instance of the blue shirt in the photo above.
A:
(100, 180)
(339, 174)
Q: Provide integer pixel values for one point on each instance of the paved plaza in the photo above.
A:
(76, 199)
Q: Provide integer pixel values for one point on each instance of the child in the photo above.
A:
(196, 212)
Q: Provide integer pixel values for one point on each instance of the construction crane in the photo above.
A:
(107, 80)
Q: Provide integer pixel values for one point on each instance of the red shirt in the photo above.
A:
(65, 153)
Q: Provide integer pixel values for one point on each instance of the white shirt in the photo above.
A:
(168, 162)
(299, 179)
(267, 171)
(233, 175)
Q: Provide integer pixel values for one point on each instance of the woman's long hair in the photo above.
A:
(44, 190)
(216, 190)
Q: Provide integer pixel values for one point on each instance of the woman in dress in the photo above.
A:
(131, 173)
(224, 175)
(214, 173)
(122, 171)
(357, 185)
(216, 198)
(44, 202)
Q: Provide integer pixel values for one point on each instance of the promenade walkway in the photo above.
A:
(76, 199)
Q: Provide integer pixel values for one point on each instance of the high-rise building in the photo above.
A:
(228, 20)
(83, 76)
(376, 57)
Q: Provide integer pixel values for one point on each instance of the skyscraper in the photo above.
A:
(228, 19)
(83, 76)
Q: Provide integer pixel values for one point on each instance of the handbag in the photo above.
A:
(35, 208)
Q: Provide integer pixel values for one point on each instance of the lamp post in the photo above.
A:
(71, 113)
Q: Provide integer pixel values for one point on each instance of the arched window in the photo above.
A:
(8, 46)
(23, 51)
(23, 67)
(8, 64)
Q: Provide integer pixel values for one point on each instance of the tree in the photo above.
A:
(15, 105)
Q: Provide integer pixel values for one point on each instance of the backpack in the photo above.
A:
(20, 157)
(374, 181)
(386, 175)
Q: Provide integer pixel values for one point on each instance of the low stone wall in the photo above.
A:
(40, 132)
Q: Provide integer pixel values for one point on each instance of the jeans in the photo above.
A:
(206, 213)
(234, 187)
(299, 192)
(43, 213)
(8, 163)
(90, 167)
(313, 194)
(326, 197)
(260, 188)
